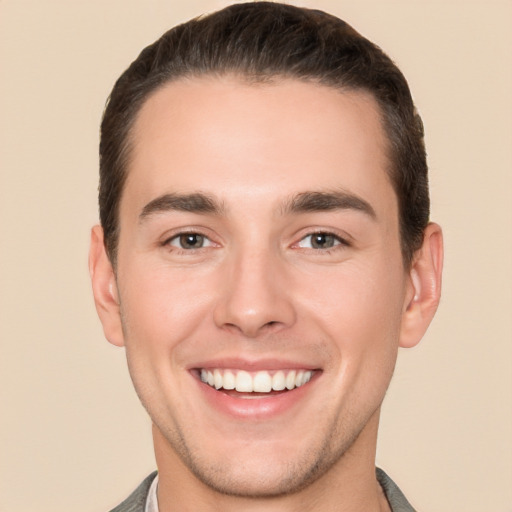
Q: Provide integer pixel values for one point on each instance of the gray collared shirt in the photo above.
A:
(144, 498)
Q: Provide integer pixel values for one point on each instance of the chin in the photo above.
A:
(257, 479)
(263, 472)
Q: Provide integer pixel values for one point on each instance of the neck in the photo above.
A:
(350, 485)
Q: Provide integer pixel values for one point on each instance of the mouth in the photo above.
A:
(256, 391)
(245, 384)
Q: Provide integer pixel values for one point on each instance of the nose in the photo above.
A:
(254, 297)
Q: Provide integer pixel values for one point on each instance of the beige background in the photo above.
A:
(72, 434)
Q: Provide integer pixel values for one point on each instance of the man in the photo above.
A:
(264, 250)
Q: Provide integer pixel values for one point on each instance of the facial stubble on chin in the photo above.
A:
(296, 475)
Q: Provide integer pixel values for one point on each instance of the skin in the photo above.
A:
(258, 288)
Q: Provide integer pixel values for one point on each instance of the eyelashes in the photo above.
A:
(189, 241)
(321, 241)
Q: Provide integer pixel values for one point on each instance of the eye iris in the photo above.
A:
(322, 241)
(191, 241)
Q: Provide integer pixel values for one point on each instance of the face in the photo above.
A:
(260, 278)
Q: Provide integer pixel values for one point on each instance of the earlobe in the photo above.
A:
(104, 288)
(424, 288)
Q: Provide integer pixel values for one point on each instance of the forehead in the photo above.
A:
(235, 139)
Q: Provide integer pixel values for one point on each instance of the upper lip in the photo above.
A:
(253, 365)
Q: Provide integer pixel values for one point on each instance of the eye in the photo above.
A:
(189, 241)
(320, 240)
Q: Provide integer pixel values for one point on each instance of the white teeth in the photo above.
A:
(244, 382)
(259, 382)
(302, 378)
(290, 380)
(229, 380)
(217, 379)
(262, 382)
(278, 381)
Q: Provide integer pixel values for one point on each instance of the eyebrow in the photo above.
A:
(304, 202)
(193, 203)
(322, 201)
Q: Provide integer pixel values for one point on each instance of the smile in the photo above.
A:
(255, 382)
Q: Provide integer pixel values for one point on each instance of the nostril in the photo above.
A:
(272, 325)
(254, 330)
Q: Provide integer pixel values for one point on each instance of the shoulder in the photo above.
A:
(396, 499)
(136, 502)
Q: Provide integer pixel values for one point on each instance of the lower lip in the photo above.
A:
(262, 408)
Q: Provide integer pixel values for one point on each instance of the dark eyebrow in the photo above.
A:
(194, 203)
(326, 201)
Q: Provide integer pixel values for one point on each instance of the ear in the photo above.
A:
(424, 287)
(104, 288)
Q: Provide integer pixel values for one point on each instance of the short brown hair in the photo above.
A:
(260, 40)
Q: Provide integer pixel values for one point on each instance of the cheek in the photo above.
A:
(162, 311)
(162, 307)
(361, 310)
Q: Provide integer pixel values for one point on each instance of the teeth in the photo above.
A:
(290, 380)
(278, 381)
(217, 379)
(229, 381)
(262, 382)
(244, 382)
(259, 382)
